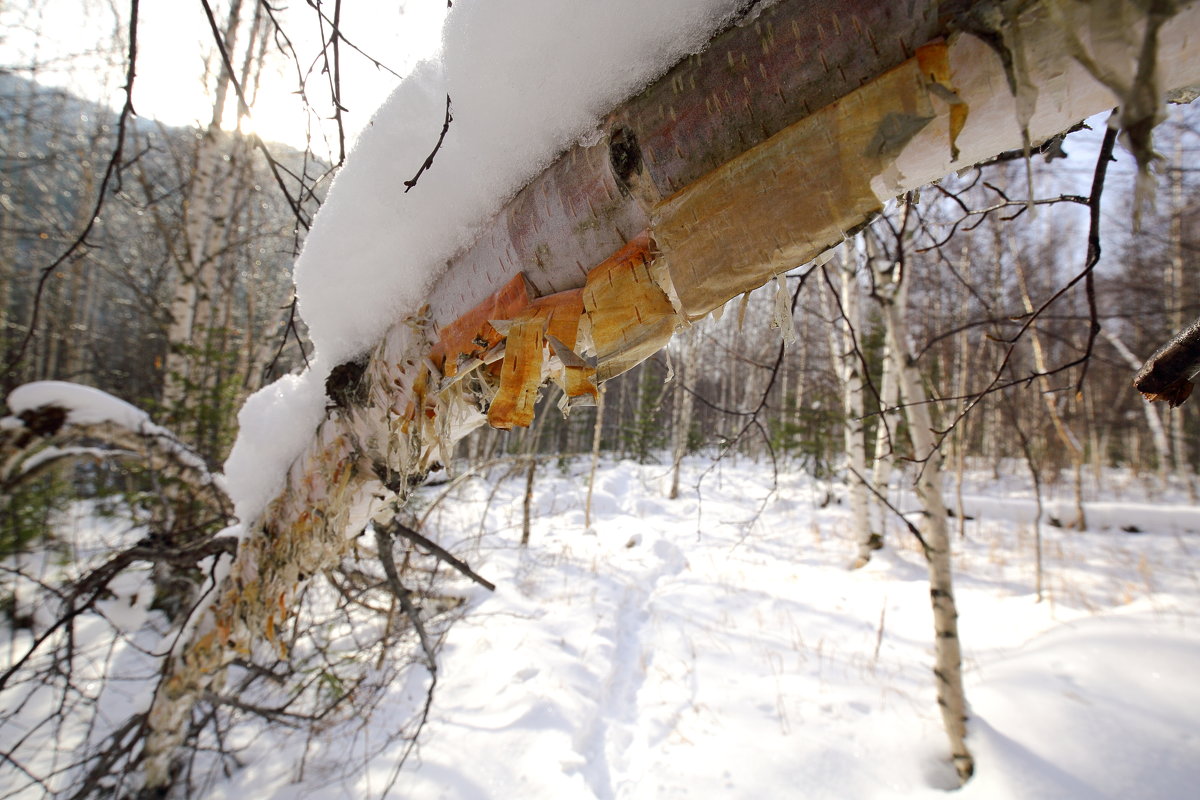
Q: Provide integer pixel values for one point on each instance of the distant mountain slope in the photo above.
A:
(104, 318)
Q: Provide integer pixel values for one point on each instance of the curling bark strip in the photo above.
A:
(791, 129)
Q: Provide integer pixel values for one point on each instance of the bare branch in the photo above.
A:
(429, 159)
(440, 553)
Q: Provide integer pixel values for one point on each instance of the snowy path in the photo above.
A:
(655, 660)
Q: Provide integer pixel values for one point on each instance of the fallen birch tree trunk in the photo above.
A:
(789, 131)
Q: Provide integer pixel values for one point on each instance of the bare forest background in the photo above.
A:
(195, 229)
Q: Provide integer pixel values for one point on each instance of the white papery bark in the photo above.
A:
(935, 532)
(844, 338)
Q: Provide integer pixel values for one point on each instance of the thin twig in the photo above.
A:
(429, 159)
(1093, 248)
(441, 553)
(899, 514)
(383, 541)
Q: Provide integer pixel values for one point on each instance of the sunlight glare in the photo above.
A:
(174, 45)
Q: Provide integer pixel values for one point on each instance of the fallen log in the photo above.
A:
(790, 130)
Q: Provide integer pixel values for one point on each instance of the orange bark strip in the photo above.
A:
(561, 311)
(934, 62)
(786, 200)
(520, 376)
(631, 318)
(557, 315)
(471, 334)
(581, 381)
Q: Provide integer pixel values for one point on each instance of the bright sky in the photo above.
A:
(69, 40)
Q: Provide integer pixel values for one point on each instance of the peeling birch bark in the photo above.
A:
(741, 162)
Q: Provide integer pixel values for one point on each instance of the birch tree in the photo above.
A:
(890, 276)
(729, 223)
(1066, 436)
(215, 213)
(681, 411)
(849, 363)
(1178, 282)
(1158, 434)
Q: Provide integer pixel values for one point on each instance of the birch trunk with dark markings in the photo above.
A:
(927, 455)
(794, 126)
(844, 340)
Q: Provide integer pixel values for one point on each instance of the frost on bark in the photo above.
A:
(767, 157)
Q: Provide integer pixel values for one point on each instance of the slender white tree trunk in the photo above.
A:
(1158, 433)
(962, 435)
(935, 532)
(849, 363)
(1065, 435)
(881, 470)
(682, 417)
(213, 206)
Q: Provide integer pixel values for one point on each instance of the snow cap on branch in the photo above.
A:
(527, 80)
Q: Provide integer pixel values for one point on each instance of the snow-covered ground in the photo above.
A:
(690, 648)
